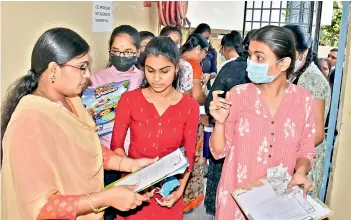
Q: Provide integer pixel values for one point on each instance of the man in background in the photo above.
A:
(332, 57)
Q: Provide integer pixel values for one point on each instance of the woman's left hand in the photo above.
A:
(170, 200)
(138, 164)
(300, 179)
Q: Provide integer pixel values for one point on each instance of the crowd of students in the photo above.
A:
(268, 103)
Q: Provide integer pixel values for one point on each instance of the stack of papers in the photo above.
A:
(169, 165)
(272, 201)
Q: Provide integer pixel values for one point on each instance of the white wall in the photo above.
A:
(23, 22)
(225, 15)
(229, 15)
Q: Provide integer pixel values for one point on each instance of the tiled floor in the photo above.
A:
(198, 214)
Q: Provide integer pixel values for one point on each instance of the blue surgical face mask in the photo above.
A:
(298, 63)
(258, 72)
(169, 186)
(223, 58)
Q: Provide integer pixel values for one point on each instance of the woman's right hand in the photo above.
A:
(220, 107)
(124, 198)
(91, 112)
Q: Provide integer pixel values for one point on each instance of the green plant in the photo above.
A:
(331, 32)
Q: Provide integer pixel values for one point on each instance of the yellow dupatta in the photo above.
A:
(46, 150)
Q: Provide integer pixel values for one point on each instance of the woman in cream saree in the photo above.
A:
(52, 158)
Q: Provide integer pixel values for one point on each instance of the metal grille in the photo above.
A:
(258, 14)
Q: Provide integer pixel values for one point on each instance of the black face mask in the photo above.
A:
(123, 64)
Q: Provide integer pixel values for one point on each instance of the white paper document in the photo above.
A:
(169, 165)
(102, 16)
(271, 201)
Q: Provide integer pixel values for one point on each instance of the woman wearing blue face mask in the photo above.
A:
(308, 75)
(256, 128)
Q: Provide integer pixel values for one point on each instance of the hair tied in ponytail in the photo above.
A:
(32, 75)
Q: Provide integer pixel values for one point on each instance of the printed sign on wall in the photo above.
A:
(102, 16)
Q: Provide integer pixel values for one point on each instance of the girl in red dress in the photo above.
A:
(161, 119)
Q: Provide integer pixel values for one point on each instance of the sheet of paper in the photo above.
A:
(151, 174)
(102, 17)
(202, 110)
(272, 201)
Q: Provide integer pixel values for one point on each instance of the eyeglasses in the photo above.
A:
(83, 69)
(125, 53)
(206, 51)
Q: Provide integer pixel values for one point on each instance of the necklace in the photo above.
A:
(41, 94)
(58, 103)
(174, 92)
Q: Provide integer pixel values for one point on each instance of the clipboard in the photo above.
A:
(311, 208)
(180, 165)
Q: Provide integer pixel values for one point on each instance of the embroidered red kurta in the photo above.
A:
(155, 135)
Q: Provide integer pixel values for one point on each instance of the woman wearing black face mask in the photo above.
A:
(123, 56)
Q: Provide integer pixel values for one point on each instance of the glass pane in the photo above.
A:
(264, 24)
(276, 4)
(265, 15)
(284, 4)
(248, 15)
(275, 16)
(256, 25)
(248, 26)
(257, 15)
(249, 4)
(258, 4)
(266, 4)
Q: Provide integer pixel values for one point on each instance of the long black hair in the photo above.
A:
(58, 45)
(162, 46)
(193, 41)
(303, 42)
(128, 30)
(280, 41)
(202, 28)
(246, 41)
(233, 40)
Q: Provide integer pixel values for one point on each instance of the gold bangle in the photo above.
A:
(120, 163)
(91, 204)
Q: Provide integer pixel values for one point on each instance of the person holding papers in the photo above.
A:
(161, 120)
(256, 128)
(52, 158)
